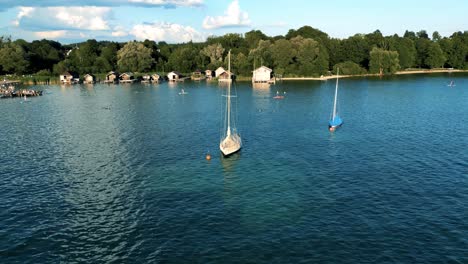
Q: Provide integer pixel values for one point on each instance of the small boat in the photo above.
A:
(182, 92)
(335, 120)
(278, 96)
(231, 141)
(451, 84)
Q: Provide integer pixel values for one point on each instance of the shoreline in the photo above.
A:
(247, 79)
(324, 78)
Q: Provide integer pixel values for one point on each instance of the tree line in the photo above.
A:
(303, 52)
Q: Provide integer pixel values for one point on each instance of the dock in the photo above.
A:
(9, 93)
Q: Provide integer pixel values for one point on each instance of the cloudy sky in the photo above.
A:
(177, 21)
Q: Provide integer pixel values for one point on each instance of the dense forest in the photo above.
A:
(303, 52)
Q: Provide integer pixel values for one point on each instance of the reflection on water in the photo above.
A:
(104, 174)
(261, 86)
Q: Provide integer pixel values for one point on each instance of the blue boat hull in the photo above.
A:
(335, 123)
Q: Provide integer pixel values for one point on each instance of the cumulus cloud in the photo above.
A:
(62, 18)
(172, 33)
(6, 4)
(168, 3)
(119, 32)
(233, 17)
(55, 34)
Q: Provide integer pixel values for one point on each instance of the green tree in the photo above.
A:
(422, 46)
(436, 36)
(335, 52)
(308, 32)
(282, 54)
(383, 61)
(44, 54)
(356, 49)
(85, 56)
(135, 57)
(312, 57)
(456, 51)
(183, 59)
(349, 68)
(61, 67)
(406, 52)
(435, 56)
(253, 37)
(215, 53)
(262, 53)
(241, 64)
(13, 58)
(375, 39)
(410, 34)
(109, 54)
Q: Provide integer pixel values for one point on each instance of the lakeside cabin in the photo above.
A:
(263, 75)
(89, 79)
(224, 77)
(146, 78)
(219, 71)
(175, 76)
(127, 77)
(198, 75)
(69, 77)
(209, 74)
(156, 78)
(112, 77)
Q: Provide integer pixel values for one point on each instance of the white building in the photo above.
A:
(219, 71)
(262, 75)
(174, 76)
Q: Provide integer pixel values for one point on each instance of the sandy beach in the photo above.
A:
(324, 78)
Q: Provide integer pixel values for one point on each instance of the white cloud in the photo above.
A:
(62, 18)
(51, 34)
(172, 33)
(6, 4)
(119, 33)
(168, 3)
(233, 17)
(88, 17)
(24, 12)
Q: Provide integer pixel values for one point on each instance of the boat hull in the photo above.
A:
(230, 145)
(335, 123)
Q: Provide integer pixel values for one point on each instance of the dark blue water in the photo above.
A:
(117, 174)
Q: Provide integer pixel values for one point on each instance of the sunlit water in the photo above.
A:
(117, 174)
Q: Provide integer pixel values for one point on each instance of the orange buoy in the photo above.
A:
(208, 157)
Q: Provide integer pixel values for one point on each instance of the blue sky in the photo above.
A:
(177, 21)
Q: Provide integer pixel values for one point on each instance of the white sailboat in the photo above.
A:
(231, 141)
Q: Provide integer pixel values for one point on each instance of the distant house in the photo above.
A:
(112, 77)
(69, 77)
(146, 78)
(209, 74)
(224, 77)
(126, 77)
(174, 76)
(89, 79)
(219, 71)
(262, 75)
(198, 75)
(155, 78)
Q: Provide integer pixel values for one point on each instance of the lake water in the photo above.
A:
(117, 174)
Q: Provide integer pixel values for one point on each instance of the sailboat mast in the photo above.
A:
(336, 94)
(229, 96)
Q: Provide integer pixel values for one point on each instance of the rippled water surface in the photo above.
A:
(117, 174)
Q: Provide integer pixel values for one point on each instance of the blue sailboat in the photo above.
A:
(335, 120)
